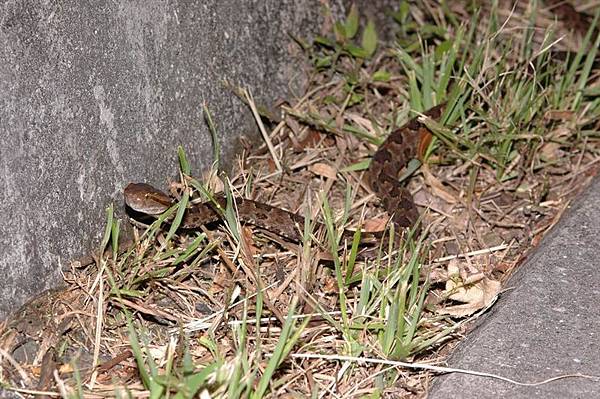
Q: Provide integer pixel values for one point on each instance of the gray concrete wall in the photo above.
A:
(94, 94)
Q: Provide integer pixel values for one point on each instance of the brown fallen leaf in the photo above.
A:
(310, 139)
(212, 181)
(341, 144)
(375, 225)
(559, 115)
(437, 187)
(322, 169)
(550, 151)
(476, 291)
(247, 236)
(272, 166)
(221, 280)
(363, 122)
(294, 126)
(425, 199)
(329, 285)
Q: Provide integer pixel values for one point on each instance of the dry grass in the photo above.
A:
(233, 310)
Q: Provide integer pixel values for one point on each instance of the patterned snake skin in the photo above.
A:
(391, 157)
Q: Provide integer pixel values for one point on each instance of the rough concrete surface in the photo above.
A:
(97, 94)
(547, 325)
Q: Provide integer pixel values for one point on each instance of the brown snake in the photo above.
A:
(391, 157)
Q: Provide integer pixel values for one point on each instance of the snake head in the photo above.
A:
(144, 198)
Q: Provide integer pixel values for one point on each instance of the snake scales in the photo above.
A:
(391, 157)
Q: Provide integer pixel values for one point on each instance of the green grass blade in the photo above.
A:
(184, 164)
(181, 208)
(278, 353)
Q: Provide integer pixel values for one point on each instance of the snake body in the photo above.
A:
(402, 145)
(146, 199)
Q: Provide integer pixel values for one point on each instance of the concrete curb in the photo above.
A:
(547, 325)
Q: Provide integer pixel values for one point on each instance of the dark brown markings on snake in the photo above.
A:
(140, 197)
(388, 161)
(382, 175)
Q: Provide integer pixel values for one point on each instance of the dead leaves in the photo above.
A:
(469, 286)
(437, 188)
(375, 225)
(323, 170)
